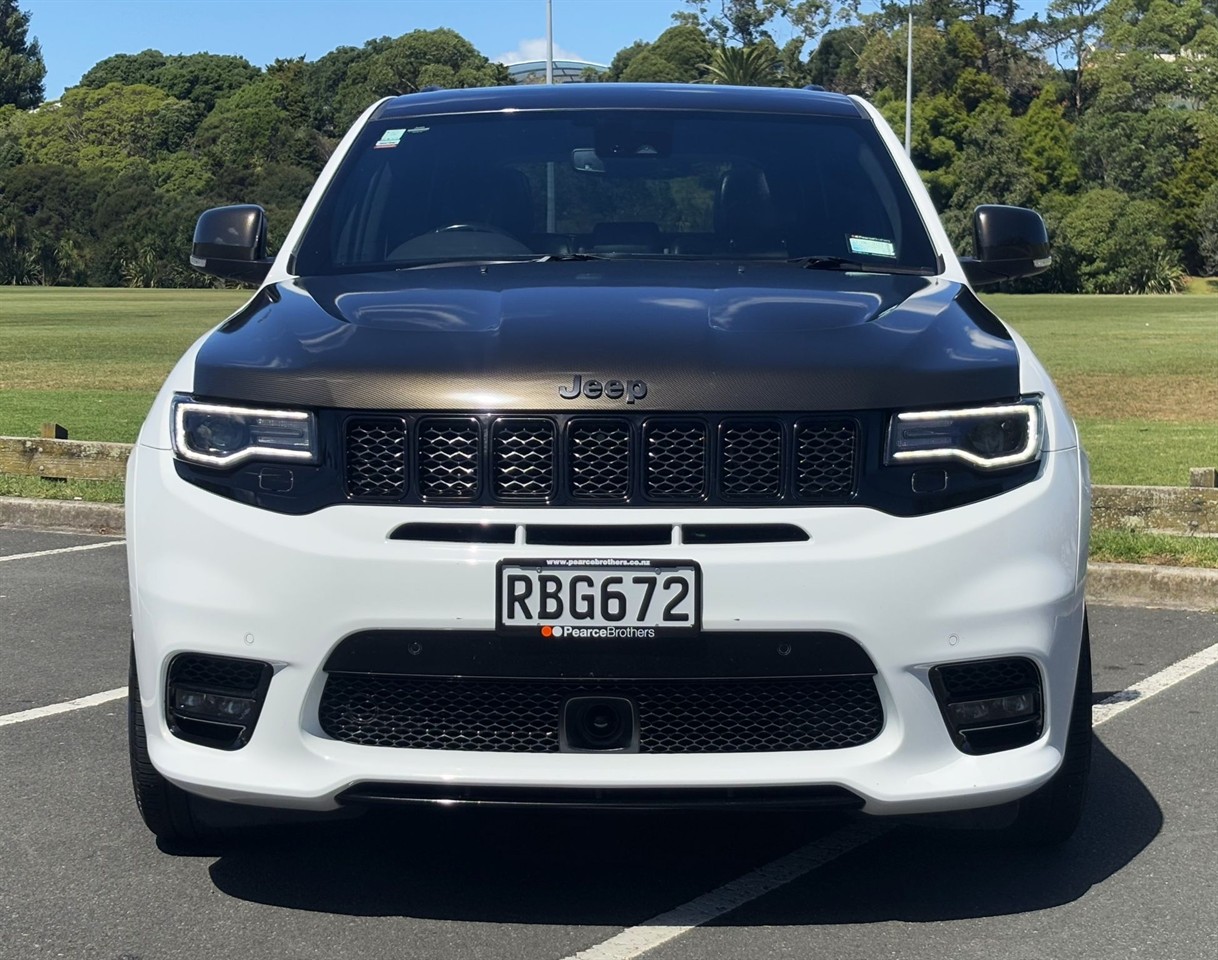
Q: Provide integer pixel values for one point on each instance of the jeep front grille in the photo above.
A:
(604, 461)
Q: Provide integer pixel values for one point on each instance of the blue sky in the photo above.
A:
(75, 34)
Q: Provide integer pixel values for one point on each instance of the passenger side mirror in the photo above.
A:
(230, 243)
(1008, 243)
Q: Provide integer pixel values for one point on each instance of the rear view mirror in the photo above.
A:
(1008, 243)
(585, 160)
(230, 243)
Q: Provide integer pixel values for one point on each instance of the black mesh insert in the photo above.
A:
(376, 457)
(675, 716)
(825, 454)
(222, 673)
(988, 678)
(449, 451)
(675, 454)
(752, 460)
(523, 459)
(600, 459)
(632, 459)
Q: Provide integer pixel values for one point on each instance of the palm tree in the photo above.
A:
(755, 66)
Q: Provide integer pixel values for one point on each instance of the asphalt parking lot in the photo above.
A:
(80, 876)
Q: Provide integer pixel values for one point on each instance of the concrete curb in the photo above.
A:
(1122, 584)
(1145, 585)
(69, 516)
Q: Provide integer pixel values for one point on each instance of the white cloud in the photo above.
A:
(535, 49)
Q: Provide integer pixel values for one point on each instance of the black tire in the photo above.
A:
(168, 811)
(1050, 816)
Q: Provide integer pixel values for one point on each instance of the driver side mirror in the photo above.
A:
(230, 243)
(1008, 243)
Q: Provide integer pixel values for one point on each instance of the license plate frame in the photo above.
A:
(567, 626)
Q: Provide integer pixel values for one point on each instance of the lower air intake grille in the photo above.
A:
(675, 716)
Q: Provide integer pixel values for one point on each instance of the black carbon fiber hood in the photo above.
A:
(700, 336)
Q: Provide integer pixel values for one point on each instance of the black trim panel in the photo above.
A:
(607, 798)
(475, 653)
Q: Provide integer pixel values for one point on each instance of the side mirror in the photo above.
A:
(1008, 243)
(230, 243)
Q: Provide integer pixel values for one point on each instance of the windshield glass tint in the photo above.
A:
(615, 183)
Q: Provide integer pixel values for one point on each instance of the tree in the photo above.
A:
(1117, 245)
(202, 78)
(1073, 24)
(418, 59)
(678, 55)
(747, 23)
(114, 126)
(21, 68)
(744, 66)
(1207, 235)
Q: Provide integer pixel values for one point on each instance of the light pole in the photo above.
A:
(551, 211)
(549, 41)
(909, 82)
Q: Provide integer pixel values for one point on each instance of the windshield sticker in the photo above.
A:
(872, 246)
(418, 129)
(389, 140)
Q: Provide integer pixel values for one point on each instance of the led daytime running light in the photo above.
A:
(1031, 411)
(182, 406)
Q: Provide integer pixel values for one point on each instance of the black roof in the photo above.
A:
(620, 96)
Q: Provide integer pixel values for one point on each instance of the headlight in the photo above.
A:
(986, 437)
(221, 436)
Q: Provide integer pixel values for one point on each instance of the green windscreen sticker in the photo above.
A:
(872, 246)
(389, 139)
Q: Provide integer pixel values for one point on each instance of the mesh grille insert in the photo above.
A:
(988, 678)
(633, 459)
(449, 451)
(826, 453)
(675, 716)
(376, 457)
(225, 673)
(523, 459)
(600, 459)
(676, 460)
(752, 460)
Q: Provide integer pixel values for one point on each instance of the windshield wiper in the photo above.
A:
(846, 264)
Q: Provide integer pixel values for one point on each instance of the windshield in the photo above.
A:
(615, 184)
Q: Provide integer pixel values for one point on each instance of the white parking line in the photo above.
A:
(51, 553)
(36, 713)
(1143, 690)
(635, 941)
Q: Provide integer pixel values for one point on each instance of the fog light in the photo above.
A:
(213, 706)
(994, 710)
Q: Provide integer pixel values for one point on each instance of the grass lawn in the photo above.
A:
(1139, 373)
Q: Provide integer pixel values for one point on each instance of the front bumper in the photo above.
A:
(999, 578)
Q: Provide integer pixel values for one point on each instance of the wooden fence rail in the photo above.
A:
(63, 459)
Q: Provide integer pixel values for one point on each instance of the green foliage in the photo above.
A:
(114, 126)
(201, 78)
(1207, 231)
(1121, 155)
(410, 63)
(744, 66)
(1113, 244)
(21, 68)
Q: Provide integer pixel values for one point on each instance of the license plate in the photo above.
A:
(599, 599)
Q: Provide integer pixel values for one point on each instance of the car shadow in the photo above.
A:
(567, 867)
